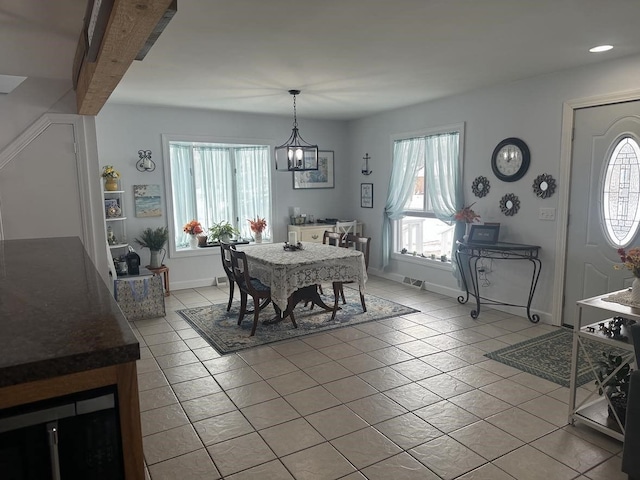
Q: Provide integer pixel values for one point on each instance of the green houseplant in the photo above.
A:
(222, 231)
(154, 240)
(615, 388)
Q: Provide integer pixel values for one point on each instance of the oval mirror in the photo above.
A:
(509, 204)
(544, 186)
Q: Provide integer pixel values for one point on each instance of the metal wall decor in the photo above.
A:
(480, 186)
(144, 163)
(544, 186)
(365, 168)
(509, 204)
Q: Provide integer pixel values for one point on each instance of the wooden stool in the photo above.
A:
(164, 270)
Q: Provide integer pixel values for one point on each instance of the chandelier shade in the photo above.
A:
(296, 155)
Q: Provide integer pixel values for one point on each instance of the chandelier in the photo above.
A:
(296, 155)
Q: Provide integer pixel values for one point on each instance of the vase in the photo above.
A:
(635, 291)
(258, 237)
(154, 261)
(467, 230)
(110, 184)
(193, 241)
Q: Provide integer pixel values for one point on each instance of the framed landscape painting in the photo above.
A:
(147, 200)
(321, 178)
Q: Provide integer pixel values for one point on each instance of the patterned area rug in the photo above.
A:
(549, 356)
(221, 330)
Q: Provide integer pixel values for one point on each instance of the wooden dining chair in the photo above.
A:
(362, 244)
(329, 238)
(225, 254)
(346, 228)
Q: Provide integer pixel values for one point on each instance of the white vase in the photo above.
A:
(467, 230)
(635, 291)
(257, 236)
(193, 241)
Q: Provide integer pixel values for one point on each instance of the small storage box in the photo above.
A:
(140, 298)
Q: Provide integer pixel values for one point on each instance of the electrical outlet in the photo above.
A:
(547, 214)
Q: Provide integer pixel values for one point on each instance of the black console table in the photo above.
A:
(473, 252)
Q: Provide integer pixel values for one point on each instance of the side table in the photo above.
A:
(164, 270)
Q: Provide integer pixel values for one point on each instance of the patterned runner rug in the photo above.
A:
(220, 328)
(549, 356)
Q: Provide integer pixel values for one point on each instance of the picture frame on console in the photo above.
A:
(486, 234)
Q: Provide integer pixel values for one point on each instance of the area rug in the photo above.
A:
(220, 328)
(549, 356)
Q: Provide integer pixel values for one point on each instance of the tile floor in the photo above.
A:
(405, 398)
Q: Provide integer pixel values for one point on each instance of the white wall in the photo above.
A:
(531, 110)
(122, 130)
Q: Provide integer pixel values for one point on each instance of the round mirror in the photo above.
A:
(480, 187)
(544, 186)
(509, 204)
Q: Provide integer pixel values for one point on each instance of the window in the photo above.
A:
(621, 193)
(218, 182)
(423, 228)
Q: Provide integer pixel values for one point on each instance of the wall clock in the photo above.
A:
(510, 160)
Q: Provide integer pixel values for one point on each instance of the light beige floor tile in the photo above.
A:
(445, 385)
(320, 340)
(312, 400)
(390, 355)
(225, 364)
(159, 338)
(490, 345)
(527, 463)
(308, 359)
(176, 359)
(444, 361)
(446, 457)
(163, 418)
(416, 369)
(408, 430)
(446, 416)
(365, 447)
(288, 348)
(536, 383)
(384, 378)
(340, 350)
(521, 424)
(486, 440)
(273, 368)
(547, 408)
(571, 450)
(609, 470)
(273, 470)
(498, 368)
(208, 406)
(420, 332)
(170, 443)
(251, 394)
(195, 388)
(206, 353)
(167, 348)
(360, 363)
(259, 355)
(480, 403)
(510, 391)
(444, 342)
(475, 376)
(468, 353)
(151, 380)
(292, 382)
(367, 344)
(147, 365)
(194, 466)
(348, 334)
(157, 397)
(595, 437)
(270, 413)
(185, 372)
(319, 462)
(412, 396)
(418, 348)
(376, 408)
(486, 472)
(232, 456)
(222, 427)
(327, 372)
(291, 437)
(336, 421)
(396, 337)
(237, 378)
(399, 467)
(349, 388)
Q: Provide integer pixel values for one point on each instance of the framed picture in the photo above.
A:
(487, 234)
(366, 195)
(147, 199)
(321, 178)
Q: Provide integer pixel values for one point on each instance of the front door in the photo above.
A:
(591, 256)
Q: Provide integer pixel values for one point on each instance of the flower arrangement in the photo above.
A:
(193, 228)
(258, 225)
(630, 260)
(109, 172)
(467, 215)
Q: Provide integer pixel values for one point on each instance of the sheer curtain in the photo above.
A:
(408, 157)
(253, 192)
(213, 179)
(184, 202)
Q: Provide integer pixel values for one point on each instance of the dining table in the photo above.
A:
(293, 274)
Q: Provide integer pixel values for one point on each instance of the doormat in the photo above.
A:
(220, 328)
(549, 356)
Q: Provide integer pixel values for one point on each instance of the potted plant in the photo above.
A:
(257, 226)
(615, 388)
(222, 231)
(193, 229)
(154, 240)
(110, 176)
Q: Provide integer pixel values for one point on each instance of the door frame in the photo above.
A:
(566, 151)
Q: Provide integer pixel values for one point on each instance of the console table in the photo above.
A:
(473, 252)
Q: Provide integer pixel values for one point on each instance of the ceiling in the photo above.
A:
(350, 58)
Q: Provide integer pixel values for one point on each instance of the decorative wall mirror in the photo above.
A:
(480, 186)
(544, 186)
(509, 204)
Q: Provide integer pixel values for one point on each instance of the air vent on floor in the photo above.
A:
(222, 280)
(413, 282)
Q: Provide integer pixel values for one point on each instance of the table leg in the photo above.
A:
(309, 293)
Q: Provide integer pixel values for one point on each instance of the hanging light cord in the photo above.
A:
(295, 116)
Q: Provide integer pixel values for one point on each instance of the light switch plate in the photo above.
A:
(547, 214)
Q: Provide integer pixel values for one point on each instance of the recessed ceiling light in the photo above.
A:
(601, 48)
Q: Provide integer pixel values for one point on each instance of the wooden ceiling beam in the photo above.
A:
(131, 23)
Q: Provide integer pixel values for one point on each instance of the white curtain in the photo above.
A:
(253, 192)
(184, 201)
(213, 176)
(408, 157)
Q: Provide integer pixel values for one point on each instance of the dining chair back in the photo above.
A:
(225, 255)
(332, 238)
(345, 228)
(362, 244)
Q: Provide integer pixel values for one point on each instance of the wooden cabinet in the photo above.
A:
(313, 232)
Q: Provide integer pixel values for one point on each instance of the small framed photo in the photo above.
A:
(366, 195)
(487, 234)
(321, 178)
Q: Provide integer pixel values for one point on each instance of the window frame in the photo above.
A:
(173, 251)
(397, 224)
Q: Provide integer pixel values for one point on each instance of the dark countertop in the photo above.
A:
(56, 314)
